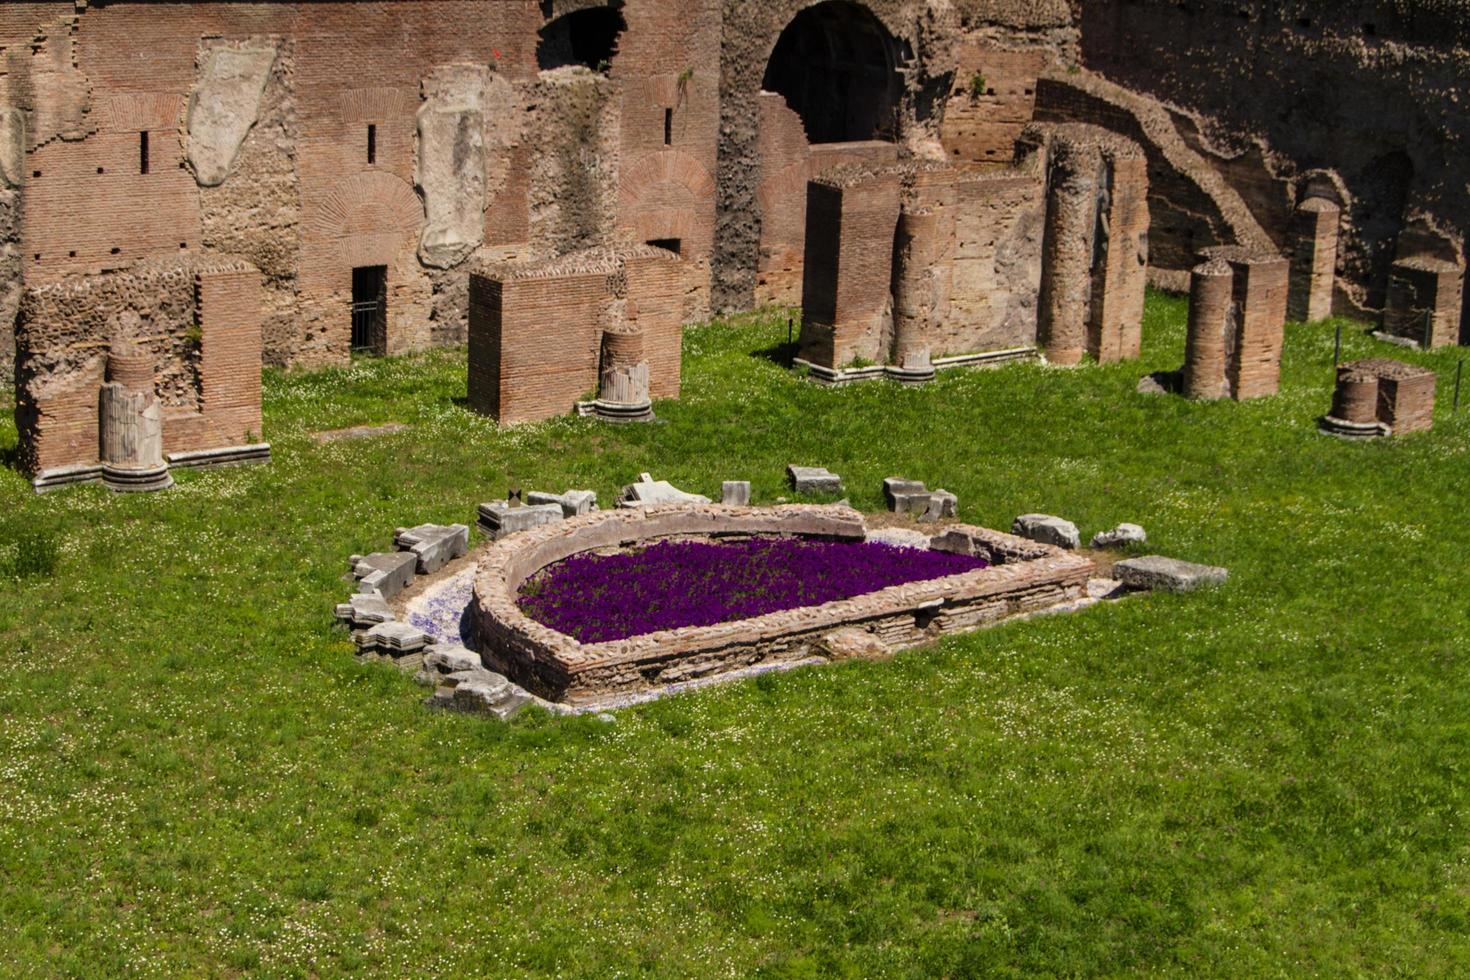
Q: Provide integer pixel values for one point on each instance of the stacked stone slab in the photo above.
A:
(1095, 252)
(1424, 301)
(1240, 338)
(1380, 397)
(1315, 227)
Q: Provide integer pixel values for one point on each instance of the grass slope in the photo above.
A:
(195, 777)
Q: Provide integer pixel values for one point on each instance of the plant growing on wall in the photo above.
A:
(977, 86)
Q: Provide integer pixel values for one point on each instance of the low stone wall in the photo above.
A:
(1025, 577)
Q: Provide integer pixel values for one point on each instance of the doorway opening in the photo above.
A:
(370, 310)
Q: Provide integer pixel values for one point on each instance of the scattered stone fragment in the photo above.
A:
(573, 503)
(499, 519)
(899, 494)
(648, 492)
(396, 640)
(957, 542)
(1105, 588)
(364, 611)
(605, 717)
(357, 432)
(1047, 529)
(900, 537)
(851, 643)
(1168, 574)
(813, 479)
(1119, 537)
(384, 572)
(735, 493)
(434, 545)
(485, 694)
(451, 658)
(1161, 383)
(942, 504)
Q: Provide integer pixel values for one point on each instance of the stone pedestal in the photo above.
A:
(623, 382)
(1380, 397)
(130, 427)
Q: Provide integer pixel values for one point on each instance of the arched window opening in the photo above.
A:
(587, 37)
(835, 64)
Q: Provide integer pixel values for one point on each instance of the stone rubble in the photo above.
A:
(648, 492)
(1047, 529)
(385, 572)
(1119, 537)
(813, 479)
(399, 642)
(434, 545)
(364, 611)
(499, 519)
(573, 503)
(1168, 574)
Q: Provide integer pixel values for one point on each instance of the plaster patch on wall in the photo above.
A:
(223, 109)
(450, 171)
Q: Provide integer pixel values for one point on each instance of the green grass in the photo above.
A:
(1269, 779)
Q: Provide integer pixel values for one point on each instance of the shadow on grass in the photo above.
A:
(783, 355)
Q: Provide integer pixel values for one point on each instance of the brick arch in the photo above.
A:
(370, 203)
(666, 167)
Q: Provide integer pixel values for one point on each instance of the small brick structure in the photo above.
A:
(538, 329)
(1424, 301)
(1380, 397)
(1024, 577)
(185, 332)
(1237, 323)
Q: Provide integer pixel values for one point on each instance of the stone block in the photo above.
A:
(396, 640)
(365, 611)
(735, 493)
(485, 694)
(648, 492)
(957, 542)
(813, 479)
(434, 545)
(941, 504)
(451, 658)
(852, 643)
(387, 573)
(900, 494)
(1168, 574)
(573, 503)
(1047, 529)
(1119, 537)
(499, 519)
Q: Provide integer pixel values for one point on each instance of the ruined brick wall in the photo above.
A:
(942, 46)
(196, 319)
(1365, 97)
(1001, 217)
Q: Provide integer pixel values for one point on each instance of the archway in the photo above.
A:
(835, 64)
(587, 37)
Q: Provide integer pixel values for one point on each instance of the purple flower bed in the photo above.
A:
(674, 584)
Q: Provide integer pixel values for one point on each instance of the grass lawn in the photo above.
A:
(1269, 779)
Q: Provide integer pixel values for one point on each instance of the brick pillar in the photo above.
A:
(1115, 320)
(1211, 330)
(1314, 233)
(1066, 256)
(851, 218)
(1424, 297)
(1261, 281)
(230, 321)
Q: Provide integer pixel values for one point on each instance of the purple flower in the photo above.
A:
(674, 584)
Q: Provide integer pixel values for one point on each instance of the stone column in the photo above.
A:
(130, 425)
(1424, 297)
(916, 294)
(1211, 329)
(1314, 233)
(1067, 248)
(1120, 272)
(623, 380)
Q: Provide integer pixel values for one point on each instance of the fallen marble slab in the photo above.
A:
(1119, 537)
(385, 572)
(1047, 529)
(813, 479)
(1168, 574)
(364, 611)
(648, 492)
(434, 545)
(499, 519)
